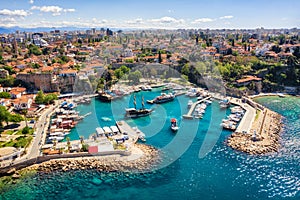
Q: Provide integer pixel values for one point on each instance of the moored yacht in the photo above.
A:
(190, 103)
(164, 98)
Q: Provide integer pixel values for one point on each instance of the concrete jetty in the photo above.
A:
(189, 115)
(133, 133)
(247, 120)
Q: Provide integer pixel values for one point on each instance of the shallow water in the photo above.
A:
(216, 173)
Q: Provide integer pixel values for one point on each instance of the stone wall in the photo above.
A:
(38, 81)
(41, 159)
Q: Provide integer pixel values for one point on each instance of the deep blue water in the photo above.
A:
(205, 169)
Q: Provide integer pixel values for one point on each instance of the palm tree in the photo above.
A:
(68, 144)
(81, 139)
(54, 143)
(24, 112)
(81, 142)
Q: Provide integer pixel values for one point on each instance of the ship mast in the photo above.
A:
(143, 104)
(134, 101)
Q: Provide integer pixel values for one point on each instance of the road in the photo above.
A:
(33, 151)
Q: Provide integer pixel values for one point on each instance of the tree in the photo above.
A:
(159, 57)
(4, 95)
(297, 52)
(33, 49)
(119, 73)
(24, 112)
(185, 69)
(125, 69)
(68, 143)
(39, 99)
(16, 118)
(135, 77)
(4, 115)
(25, 130)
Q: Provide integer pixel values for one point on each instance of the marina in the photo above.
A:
(189, 115)
(160, 139)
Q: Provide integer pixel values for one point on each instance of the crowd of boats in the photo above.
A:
(233, 119)
(64, 119)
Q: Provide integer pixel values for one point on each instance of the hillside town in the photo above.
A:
(38, 68)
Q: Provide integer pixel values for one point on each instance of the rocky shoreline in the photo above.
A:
(148, 160)
(266, 140)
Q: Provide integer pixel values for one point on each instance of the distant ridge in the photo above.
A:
(13, 29)
(48, 29)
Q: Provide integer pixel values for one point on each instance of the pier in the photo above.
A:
(189, 115)
(133, 133)
(247, 120)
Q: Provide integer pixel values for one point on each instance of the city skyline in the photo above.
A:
(168, 14)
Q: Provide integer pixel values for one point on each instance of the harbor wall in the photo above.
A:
(41, 159)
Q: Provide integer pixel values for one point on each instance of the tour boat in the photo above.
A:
(174, 126)
(164, 98)
(135, 113)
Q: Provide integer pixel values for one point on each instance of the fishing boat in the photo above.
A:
(208, 102)
(190, 103)
(237, 109)
(174, 126)
(135, 113)
(57, 138)
(103, 96)
(228, 125)
(106, 119)
(224, 103)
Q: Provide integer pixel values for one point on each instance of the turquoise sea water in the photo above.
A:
(200, 172)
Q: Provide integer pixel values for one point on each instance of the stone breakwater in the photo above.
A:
(266, 140)
(149, 158)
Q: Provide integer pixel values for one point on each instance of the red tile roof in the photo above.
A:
(248, 78)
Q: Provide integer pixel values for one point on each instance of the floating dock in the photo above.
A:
(189, 115)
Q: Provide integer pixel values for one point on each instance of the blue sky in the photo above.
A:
(151, 14)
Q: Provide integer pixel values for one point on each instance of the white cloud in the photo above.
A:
(69, 10)
(226, 17)
(55, 10)
(135, 21)
(167, 20)
(31, 1)
(202, 20)
(17, 13)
